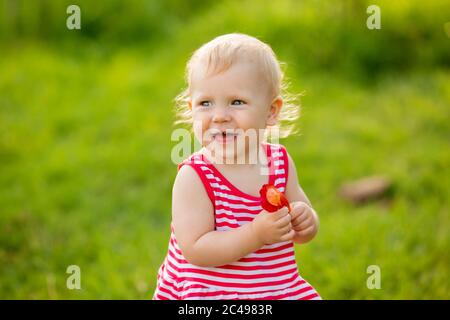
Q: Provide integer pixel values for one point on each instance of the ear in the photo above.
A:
(189, 104)
(275, 108)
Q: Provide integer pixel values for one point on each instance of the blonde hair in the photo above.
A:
(220, 53)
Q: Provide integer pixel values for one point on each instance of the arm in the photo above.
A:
(305, 221)
(193, 223)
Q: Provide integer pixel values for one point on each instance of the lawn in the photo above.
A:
(86, 175)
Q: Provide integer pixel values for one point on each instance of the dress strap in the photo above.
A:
(278, 165)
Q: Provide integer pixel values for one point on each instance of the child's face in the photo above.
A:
(236, 100)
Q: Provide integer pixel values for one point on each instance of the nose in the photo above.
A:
(221, 114)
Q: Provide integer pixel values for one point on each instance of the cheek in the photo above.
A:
(201, 124)
(254, 119)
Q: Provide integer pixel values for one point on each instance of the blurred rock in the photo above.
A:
(365, 189)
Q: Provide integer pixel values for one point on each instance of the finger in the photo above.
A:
(286, 229)
(305, 224)
(284, 221)
(301, 206)
(281, 213)
(299, 211)
(288, 218)
(295, 214)
(289, 236)
(306, 231)
(300, 219)
(296, 226)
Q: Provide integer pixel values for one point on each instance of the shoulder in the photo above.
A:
(291, 162)
(187, 175)
(189, 196)
(294, 191)
(292, 177)
(190, 181)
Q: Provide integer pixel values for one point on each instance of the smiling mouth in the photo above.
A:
(224, 137)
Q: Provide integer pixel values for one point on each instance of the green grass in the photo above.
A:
(86, 176)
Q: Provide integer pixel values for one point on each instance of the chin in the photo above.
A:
(229, 154)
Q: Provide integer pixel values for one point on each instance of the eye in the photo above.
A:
(205, 103)
(237, 102)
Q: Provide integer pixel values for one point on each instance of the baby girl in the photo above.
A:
(225, 244)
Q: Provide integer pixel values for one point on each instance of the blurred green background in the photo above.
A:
(86, 119)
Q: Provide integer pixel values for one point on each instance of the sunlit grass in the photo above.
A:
(85, 127)
(86, 178)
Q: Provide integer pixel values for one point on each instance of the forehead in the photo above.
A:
(240, 77)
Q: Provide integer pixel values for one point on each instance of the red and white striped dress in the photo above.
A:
(270, 273)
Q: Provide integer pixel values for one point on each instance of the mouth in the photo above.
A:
(224, 137)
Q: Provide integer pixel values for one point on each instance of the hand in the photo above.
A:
(304, 221)
(273, 227)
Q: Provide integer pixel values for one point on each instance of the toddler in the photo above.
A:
(223, 244)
